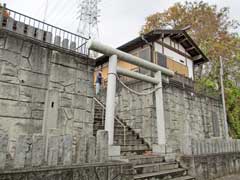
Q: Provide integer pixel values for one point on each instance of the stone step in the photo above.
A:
(128, 138)
(145, 159)
(127, 133)
(184, 178)
(173, 173)
(128, 141)
(155, 167)
(135, 148)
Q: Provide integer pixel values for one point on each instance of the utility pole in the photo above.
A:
(223, 98)
(45, 11)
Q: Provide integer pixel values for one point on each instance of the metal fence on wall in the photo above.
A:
(33, 28)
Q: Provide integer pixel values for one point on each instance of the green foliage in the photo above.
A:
(232, 93)
(207, 86)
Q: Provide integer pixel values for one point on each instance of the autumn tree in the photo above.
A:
(217, 35)
(209, 27)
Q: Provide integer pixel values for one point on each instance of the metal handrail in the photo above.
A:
(118, 120)
(11, 21)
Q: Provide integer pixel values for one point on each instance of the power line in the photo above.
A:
(56, 8)
(45, 11)
(66, 13)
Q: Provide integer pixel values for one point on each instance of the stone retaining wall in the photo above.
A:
(187, 115)
(212, 146)
(52, 150)
(98, 171)
(43, 89)
(212, 166)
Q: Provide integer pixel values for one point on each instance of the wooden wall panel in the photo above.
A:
(177, 67)
(121, 64)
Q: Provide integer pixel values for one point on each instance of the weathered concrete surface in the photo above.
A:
(187, 115)
(42, 89)
(231, 177)
(212, 166)
(52, 150)
(106, 171)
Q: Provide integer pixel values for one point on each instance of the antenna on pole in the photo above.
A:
(45, 11)
(88, 18)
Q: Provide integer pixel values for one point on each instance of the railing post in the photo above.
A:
(160, 111)
(110, 102)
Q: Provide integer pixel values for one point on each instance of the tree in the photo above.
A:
(210, 27)
(217, 35)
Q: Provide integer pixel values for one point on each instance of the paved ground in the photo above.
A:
(233, 177)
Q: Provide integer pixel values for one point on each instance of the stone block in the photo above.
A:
(80, 102)
(20, 27)
(82, 75)
(9, 25)
(33, 79)
(38, 59)
(88, 128)
(38, 152)
(3, 149)
(14, 108)
(63, 76)
(81, 149)
(26, 49)
(114, 152)
(73, 46)
(48, 37)
(81, 87)
(25, 64)
(102, 146)
(91, 149)
(32, 94)
(67, 149)
(79, 115)
(39, 34)
(9, 69)
(31, 31)
(57, 40)
(53, 150)
(2, 42)
(51, 110)
(23, 154)
(10, 57)
(66, 100)
(9, 91)
(65, 43)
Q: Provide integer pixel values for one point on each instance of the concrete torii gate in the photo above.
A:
(111, 87)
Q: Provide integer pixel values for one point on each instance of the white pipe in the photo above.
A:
(160, 111)
(136, 75)
(107, 50)
(110, 102)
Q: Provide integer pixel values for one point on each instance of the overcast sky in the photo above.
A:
(120, 20)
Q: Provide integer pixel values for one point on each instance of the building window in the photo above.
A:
(161, 59)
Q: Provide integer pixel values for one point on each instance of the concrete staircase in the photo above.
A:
(135, 150)
(154, 167)
(131, 143)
